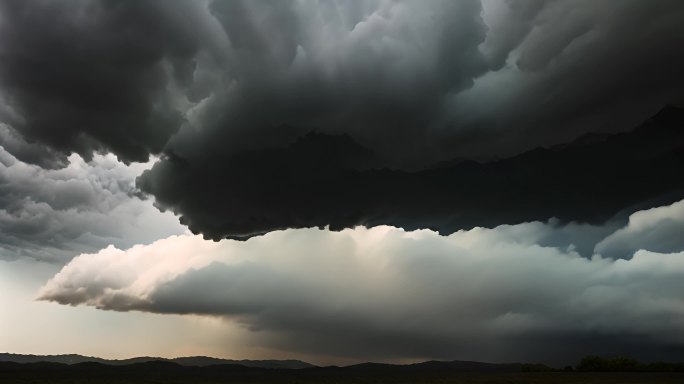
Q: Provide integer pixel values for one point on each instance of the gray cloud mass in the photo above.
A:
(228, 93)
(53, 214)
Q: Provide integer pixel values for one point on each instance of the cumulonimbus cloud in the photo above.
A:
(227, 93)
(496, 294)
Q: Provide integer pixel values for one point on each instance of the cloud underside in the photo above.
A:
(53, 214)
(508, 293)
(227, 92)
(310, 184)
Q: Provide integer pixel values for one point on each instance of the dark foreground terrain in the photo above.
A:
(431, 372)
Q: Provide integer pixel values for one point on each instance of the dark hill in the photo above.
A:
(429, 372)
(199, 361)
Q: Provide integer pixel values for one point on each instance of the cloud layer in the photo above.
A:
(510, 293)
(313, 183)
(53, 214)
(228, 93)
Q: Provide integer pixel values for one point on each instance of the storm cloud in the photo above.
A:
(295, 148)
(84, 77)
(314, 182)
(272, 115)
(51, 215)
(494, 294)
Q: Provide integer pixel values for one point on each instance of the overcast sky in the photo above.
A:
(342, 181)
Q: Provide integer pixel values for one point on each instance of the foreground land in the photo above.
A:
(163, 372)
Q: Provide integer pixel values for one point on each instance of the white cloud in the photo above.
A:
(390, 293)
(657, 229)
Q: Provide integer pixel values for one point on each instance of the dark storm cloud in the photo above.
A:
(582, 66)
(493, 294)
(375, 70)
(33, 153)
(84, 76)
(230, 91)
(385, 102)
(314, 182)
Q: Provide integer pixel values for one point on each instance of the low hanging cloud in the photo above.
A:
(316, 181)
(53, 214)
(493, 294)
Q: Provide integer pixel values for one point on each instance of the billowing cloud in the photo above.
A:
(571, 67)
(228, 93)
(30, 152)
(53, 214)
(376, 68)
(659, 229)
(494, 294)
(82, 76)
